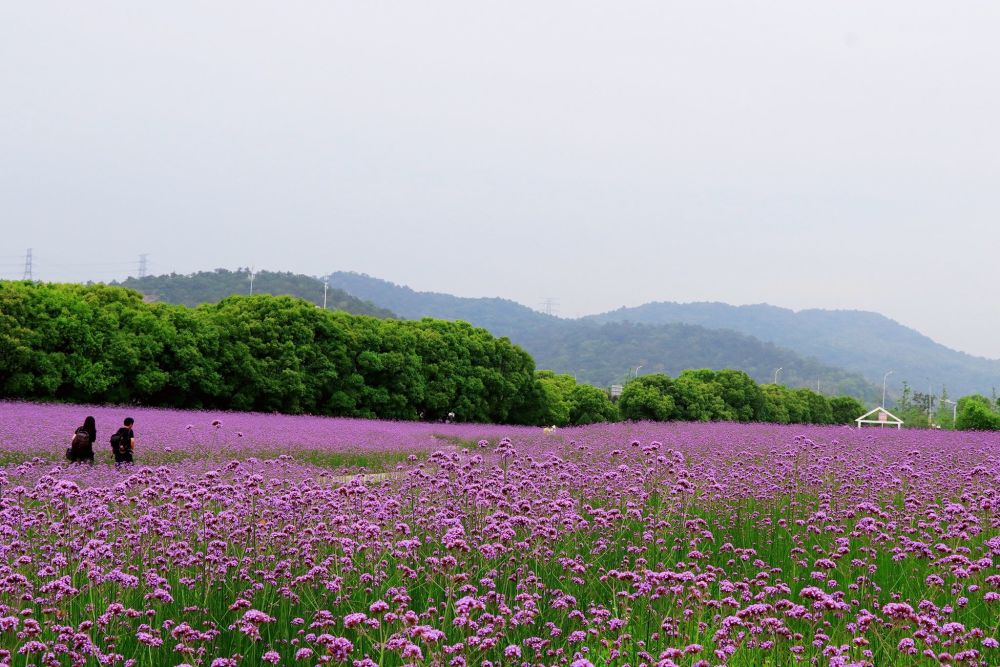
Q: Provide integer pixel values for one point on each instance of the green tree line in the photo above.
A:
(977, 413)
(104, 344)
(730, 395)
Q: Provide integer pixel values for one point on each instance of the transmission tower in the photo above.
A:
(27, 265)
(142, 265)
(550, 305)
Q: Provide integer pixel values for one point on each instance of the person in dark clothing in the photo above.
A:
(123, 442)
(82, 448)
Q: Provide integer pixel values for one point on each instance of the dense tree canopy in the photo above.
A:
(649, 397)
(707, 395)
(976, 413)
(105, 344)
(845, 409)
(563, 402)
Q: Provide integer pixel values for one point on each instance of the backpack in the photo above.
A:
(81, 440)
(121, 441)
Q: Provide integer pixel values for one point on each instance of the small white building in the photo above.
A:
(883, 418)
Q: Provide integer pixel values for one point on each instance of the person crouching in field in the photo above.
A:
(81, 450)
(123, 442)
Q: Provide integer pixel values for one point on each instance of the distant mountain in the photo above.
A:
(604, 352)
(494, 314)
(213, 286)
(858, 341)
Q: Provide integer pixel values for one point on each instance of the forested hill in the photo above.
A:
(491, 313)
(863, 342)
(602, 353)
(214, 286)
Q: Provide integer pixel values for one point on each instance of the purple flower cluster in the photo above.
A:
(691, 545)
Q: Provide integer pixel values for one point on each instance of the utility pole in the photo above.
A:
(930, 420)
(326, 286)
(142, 265)
(27, 266)
(251, 280)
(884, 378)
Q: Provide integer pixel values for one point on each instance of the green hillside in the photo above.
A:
(603, 353)
(214, 286)
(858, 341)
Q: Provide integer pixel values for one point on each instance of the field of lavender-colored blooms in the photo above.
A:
(249, 539)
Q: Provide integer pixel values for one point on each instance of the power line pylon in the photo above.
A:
(142, 265)
(27, 266)
(550, 305)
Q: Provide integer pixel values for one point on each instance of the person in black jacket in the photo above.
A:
(123, 442)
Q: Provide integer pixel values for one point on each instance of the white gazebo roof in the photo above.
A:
(884, 417)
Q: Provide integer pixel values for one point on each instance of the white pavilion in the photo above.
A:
(879, 417)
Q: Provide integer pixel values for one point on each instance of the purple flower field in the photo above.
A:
(28, 430)
(258, 541)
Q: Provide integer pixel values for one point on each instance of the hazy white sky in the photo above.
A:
(801, 153)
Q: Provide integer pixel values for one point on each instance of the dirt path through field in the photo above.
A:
(367, 477)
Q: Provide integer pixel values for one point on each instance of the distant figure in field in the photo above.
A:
(82, 448)
(123, 442)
